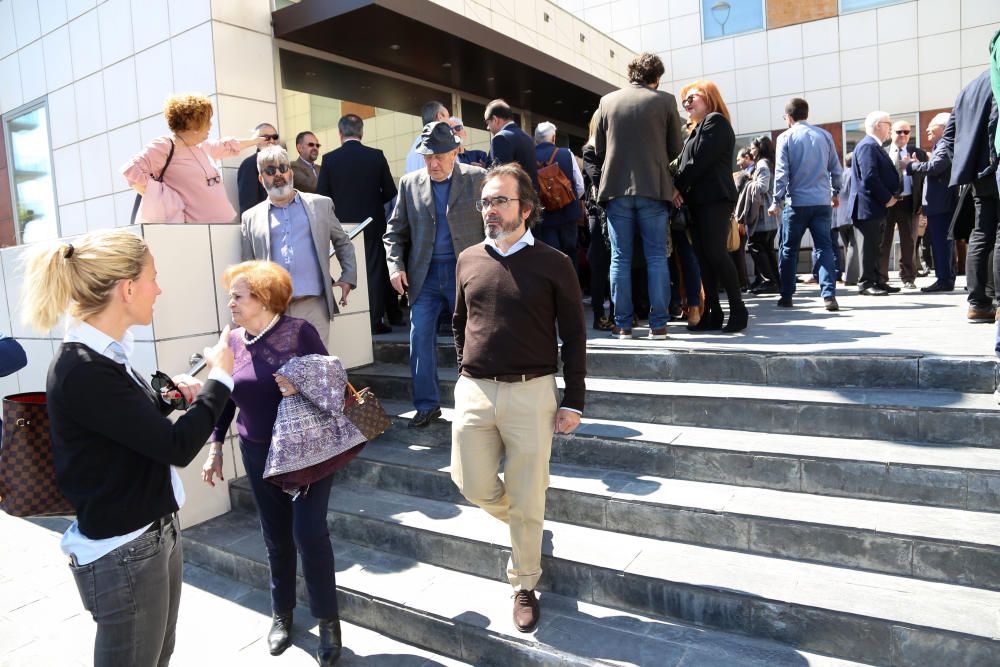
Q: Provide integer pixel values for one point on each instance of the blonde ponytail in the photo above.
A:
(78, 277)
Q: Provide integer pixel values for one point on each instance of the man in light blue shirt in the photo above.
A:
(807, 173)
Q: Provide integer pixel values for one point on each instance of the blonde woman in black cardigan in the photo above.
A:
(115, 450)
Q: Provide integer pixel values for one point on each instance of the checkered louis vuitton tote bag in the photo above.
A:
(27, 476)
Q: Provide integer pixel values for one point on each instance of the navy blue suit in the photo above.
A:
(939, 208)
(357, 179)
(969, 138)
(512, 144)
(875, 180)
(248, 186)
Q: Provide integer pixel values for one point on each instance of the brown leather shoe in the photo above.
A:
(526, 611)
(977, 314)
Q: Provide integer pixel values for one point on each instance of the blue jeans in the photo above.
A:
(795, 220)
(289, 526)
(133, 593)
(437, 294)
(649, 216)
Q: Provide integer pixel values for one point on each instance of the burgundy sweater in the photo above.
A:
(506, 314)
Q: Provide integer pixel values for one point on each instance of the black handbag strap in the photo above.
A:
(170, 156)
(138, 197)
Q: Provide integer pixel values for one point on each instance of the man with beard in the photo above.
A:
(305, 169)
(295, 230)
(513, 295)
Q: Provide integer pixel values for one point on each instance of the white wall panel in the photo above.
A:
(31, 60)
(121, 96)
(154, 78)
(26, 25)
(91, 115)
(150, 23)
(62, 117)
(69, 179)
(115, 20)
(96, 166)
(58, 58)
(84, 38)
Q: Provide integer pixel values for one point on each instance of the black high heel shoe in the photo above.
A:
(739, 317)
(711, 320)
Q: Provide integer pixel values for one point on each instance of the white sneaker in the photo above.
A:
(996, 394)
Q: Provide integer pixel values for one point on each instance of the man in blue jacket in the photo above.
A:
(875, 181)
(558, 227)
(509, 143)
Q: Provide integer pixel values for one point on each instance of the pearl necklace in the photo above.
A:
(250, 341)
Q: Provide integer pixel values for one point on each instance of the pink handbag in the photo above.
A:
(160, 202)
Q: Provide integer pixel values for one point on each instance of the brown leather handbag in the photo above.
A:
(363, 410)
(27, 475)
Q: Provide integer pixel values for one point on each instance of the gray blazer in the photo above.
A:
(409, 239)
(638, 134)
(305, 178)
(326, 229)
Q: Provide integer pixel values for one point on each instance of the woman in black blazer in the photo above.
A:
(704, 182)
(114, 447)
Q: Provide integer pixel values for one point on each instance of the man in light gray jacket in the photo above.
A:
(638, 134)
(295, 229)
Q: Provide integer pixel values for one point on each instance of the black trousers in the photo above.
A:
(599, 258)
(900, 216)
(982, 242)
(871, 250)
(761, 249)
(381, 296)
(710, 230)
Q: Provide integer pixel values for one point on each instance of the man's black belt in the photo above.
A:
(159, 524)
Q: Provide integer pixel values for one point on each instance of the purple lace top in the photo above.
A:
(255, 392)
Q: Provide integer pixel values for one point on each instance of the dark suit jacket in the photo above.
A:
(970, 132)
(409, 236)
(305, 177)
(937, 176)
(638, 135)
(251, 192)
(705, 171)
(875, 180)
(357, 178)
(917, 178)
(512, 144)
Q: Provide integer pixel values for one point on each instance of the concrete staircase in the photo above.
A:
(716, 508)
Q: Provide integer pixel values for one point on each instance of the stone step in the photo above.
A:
(890, 414)
(467, 617)
(954, 476)
(946, 545)
(851, 614)
(641, 360)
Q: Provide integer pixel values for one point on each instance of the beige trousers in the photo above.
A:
(312, 309)
(511, 421)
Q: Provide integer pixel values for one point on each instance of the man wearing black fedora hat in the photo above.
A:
(435, 219)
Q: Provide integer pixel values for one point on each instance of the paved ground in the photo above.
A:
(43, 624)
(907, 322)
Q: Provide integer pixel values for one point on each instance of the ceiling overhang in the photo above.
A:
(426, 41)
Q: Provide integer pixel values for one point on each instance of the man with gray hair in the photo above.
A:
(558, 227)
(431, 112)
(357, 178)
(938, 203)
(874, 181)
(295, 229)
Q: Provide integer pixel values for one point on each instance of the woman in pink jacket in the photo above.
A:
(191, 173)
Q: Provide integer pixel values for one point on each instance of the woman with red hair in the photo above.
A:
(704, 182)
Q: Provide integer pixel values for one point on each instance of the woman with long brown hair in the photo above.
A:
(704, 182)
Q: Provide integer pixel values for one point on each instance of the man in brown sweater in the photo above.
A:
(512, 294)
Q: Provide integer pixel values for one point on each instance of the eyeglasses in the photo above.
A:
(899, 132)
(457, 128)
(270, 137)
(271, 169)
(310, 144)
(689, 100)
(499, 202)
(213, 180)
(162, 383)
(884, 122)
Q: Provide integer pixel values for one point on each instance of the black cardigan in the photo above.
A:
(705, 170)
(113, 444)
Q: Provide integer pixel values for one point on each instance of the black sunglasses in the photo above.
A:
(162, 384)
(272, 137)
(271, 169)
(902, 131)
(312, 145)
